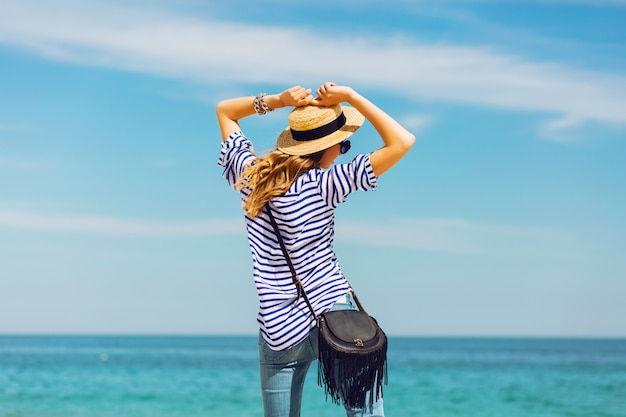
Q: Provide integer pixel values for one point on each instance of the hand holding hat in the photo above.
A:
(331, 94)
(321, 124)
(296, 96)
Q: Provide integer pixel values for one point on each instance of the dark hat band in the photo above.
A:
(319, 132)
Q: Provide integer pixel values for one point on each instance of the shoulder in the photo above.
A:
(237, 139)
(359, 167)
(236, 144)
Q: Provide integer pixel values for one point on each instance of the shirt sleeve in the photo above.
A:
(236, 155)
(340, 180)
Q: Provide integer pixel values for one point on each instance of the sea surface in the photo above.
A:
(158, 376)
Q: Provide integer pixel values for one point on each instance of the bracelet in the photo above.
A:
(260, 106)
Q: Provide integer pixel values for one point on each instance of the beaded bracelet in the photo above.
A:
(260, 106)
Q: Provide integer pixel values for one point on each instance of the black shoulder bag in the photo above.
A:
(352, 348)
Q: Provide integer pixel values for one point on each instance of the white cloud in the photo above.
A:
(214, 52)
(20, 164)
(415, 122)
(423, 234)
(586, 2)
(456, 236)
(119, 227)
(12, 126)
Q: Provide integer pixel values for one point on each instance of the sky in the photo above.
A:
(506, 219)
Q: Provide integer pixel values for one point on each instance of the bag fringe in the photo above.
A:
(348, 377)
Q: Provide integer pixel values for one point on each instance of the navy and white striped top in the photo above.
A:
(305, 217)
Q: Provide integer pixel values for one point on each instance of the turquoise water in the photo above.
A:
(122, 376)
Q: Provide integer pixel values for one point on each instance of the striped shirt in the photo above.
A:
(305, 217)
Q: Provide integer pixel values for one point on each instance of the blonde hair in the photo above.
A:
(271, 176)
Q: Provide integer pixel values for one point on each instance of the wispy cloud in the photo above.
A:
(175, 45)
(117, 226)
(416, 121)
(456, 236)
(14, 127)
(425, 3)
(585, 2)
(422, 234)
(20, 164)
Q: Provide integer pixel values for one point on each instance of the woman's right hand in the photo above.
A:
(230, 111)
(397, 140)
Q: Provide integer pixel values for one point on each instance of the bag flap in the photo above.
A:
(349, 325)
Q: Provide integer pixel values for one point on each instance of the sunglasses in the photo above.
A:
(345, 147)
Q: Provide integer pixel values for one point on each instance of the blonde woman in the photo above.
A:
(303, 188)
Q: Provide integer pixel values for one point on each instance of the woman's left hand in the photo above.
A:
(330, 94)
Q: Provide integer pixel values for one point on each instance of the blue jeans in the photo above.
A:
(283, 373)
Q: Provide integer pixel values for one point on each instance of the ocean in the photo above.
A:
(175, 376)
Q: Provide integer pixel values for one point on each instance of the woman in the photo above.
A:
(303, 188)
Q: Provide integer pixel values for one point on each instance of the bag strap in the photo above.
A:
(294, 276)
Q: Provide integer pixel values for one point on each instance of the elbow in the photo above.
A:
(224, 112)
(411, 140)
(225, 109)
(408, 140)
(220, 109)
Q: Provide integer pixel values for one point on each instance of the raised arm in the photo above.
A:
(230, 111)
(397, 140)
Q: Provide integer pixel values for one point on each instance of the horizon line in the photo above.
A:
(246, 335)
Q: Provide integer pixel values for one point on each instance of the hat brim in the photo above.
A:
(287, 144)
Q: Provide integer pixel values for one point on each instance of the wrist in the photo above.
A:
(260, 104)
(351, 96)
(273, 101)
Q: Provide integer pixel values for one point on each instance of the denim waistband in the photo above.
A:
(345, 302)
(344, 299)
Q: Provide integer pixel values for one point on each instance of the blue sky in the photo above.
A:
(506, 219)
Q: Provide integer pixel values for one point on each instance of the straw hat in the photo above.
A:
(314, 128)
